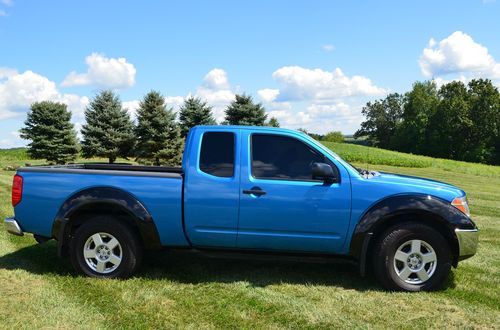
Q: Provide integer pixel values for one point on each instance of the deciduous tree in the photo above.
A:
(334, 136)
(382, 119)
(420, 104)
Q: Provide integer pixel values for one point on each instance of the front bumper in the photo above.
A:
(467, 242)
(12, 227)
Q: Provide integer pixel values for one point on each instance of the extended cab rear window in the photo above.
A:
(217, 154)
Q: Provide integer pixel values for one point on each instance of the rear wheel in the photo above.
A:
(412, 257)
(105, 247)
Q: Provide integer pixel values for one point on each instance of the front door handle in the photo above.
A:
(254, 191)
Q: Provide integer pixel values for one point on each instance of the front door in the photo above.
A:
(281, 206)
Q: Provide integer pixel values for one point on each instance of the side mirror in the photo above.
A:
(322, 171)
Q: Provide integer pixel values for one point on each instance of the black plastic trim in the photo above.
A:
(109, 169)
(110, 197)
(399, 205)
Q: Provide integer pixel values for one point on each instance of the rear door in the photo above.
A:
(281, 206)
(211, 188)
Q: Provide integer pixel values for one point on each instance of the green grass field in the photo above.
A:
(179, 290)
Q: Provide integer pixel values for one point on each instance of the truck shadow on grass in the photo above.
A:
(191, 268)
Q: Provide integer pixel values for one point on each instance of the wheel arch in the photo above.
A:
(430, 210)
(104, 200)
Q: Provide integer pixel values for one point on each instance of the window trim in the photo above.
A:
(233, 174)
(336, 169)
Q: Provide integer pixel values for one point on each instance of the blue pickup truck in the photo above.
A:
(252, 190)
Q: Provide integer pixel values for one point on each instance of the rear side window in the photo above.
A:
(217, 154)
(283, 158)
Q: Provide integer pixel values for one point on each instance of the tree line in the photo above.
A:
(456, 121)
(157, 137)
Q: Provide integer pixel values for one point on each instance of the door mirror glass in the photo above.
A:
(322, 171)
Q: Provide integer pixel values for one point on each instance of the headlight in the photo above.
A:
(462, 204)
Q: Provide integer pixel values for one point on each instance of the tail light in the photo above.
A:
(17, 189)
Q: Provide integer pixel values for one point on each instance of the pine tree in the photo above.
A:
(108, 131)
(194, 112)
(242, 111)
(51, 133)
(273, 122)
(158, 135)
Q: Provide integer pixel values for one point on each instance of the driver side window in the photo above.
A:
(283, 158)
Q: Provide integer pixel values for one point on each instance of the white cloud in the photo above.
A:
(13, 141)
(7, 2)
(216, 79)
(131, 107)
(268, 94)
(328, 47)
(174, 101)
(313, 99)
(19, 90)
(316, 84)
(216, 91)
(458, 54)
(320, 117)
(7, 72)
(291, 119)
(103, 72)
(76, 104)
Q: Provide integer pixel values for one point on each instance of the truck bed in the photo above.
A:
(47, 188)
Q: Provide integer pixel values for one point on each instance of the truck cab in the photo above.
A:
(255, 189)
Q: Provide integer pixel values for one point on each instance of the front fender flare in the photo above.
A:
(388, 208)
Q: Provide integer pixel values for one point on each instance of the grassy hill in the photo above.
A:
(177, 290)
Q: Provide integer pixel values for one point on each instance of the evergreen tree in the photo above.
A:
(273, 122)
(51, 133)
(108, 131)
(242, 111)
(158, 135)
(194, 112)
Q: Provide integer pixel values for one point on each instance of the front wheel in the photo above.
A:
(106, 248)
(412, 257)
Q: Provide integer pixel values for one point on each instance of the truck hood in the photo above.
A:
(412, 184)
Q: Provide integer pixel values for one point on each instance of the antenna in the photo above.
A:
(368, 160)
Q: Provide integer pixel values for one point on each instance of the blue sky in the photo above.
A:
(313, 64)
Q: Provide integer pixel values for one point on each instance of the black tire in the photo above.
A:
(386, 265)
(129, 247)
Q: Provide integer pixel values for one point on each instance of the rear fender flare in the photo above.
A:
(97, 197)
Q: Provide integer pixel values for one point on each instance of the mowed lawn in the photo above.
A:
(180, 290)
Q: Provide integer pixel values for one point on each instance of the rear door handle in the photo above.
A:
(254, 191)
